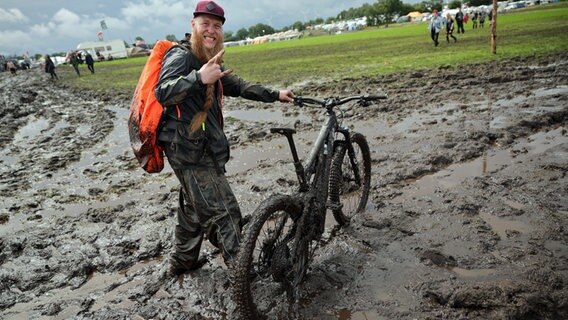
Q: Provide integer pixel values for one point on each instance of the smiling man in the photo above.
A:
(190, 87)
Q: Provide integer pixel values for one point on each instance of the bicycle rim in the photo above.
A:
(348, 194)
(265, 259)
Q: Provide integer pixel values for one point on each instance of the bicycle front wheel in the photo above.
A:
(265, 256)
(350, 178)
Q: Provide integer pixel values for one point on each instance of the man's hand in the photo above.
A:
(286, 96)
(211, 71)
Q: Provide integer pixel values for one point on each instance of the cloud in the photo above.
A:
(156, 11)
(12, 16)
(12, 40)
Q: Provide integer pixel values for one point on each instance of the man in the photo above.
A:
(186, 39)
(190, 87)
(75, 62)
(50, 68)
(459, 21)
(435, 25)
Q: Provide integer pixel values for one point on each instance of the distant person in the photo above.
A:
(10, 65)
(482, 16)
(100, 56)
(450, 28)
(90, 62)
(466, 18)
(436, 24)
(50, 68)
(74, 60)
(459, 21)
(109, 57)
(474, 19)
(186, 39)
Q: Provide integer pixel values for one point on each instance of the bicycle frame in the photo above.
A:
(324, 141)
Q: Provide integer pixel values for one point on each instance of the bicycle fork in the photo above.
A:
(351, 152)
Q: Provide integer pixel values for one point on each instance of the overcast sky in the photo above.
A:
(48, 26)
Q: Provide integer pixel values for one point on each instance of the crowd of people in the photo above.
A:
(449, 23)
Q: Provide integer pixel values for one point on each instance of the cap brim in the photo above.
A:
(195, 14)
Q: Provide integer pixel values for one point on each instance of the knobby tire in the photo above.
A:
(264, 257)
(349, 196)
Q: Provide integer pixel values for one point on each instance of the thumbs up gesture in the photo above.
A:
(211, 71)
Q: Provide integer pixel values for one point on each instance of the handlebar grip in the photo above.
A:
(301, 101)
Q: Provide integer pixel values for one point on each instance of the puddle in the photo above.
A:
(7, 162)
(543, 92)
(491, 161)
(457, 173)
(34, 127)
(263, 115)
(276, 149)
(501, 225)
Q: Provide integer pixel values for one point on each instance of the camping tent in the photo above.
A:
(414, 16)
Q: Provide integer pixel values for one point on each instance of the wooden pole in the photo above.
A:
(494, 28)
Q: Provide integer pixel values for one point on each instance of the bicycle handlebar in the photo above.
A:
(336, 101)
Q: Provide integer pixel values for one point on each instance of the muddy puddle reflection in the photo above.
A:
(491, 161)
(274, 115)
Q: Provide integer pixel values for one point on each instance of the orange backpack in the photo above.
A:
(146, 112)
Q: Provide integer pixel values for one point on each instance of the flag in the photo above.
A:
(103, 25)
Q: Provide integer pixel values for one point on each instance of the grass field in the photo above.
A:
(536, 30)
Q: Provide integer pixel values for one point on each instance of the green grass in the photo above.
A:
(537, 30)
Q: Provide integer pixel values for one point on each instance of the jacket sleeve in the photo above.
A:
(234, 86)
(177, 78)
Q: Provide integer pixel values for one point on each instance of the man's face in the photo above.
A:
(209, 28)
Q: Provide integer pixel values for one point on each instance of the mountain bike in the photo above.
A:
(283, 233)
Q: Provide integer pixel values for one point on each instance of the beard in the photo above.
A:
(201, 52)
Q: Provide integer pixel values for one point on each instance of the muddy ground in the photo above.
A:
(467, 218)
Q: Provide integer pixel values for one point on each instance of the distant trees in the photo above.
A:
(260, 29)
(383, 11)
(430, 5)
(456, 4)
(242, 34)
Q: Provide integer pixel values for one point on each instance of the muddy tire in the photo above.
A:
(347, 194)
(264, 259)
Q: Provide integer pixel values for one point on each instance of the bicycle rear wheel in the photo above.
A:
(265, 256)
(348, 192)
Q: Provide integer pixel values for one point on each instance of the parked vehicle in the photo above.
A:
(114, 48)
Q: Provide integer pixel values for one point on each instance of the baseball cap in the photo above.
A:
(209, 7)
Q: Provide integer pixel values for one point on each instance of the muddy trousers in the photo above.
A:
(460, 27)
(207, 207)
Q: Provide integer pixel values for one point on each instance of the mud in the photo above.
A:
(467, 217)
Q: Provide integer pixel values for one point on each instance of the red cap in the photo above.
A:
(209, 7)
